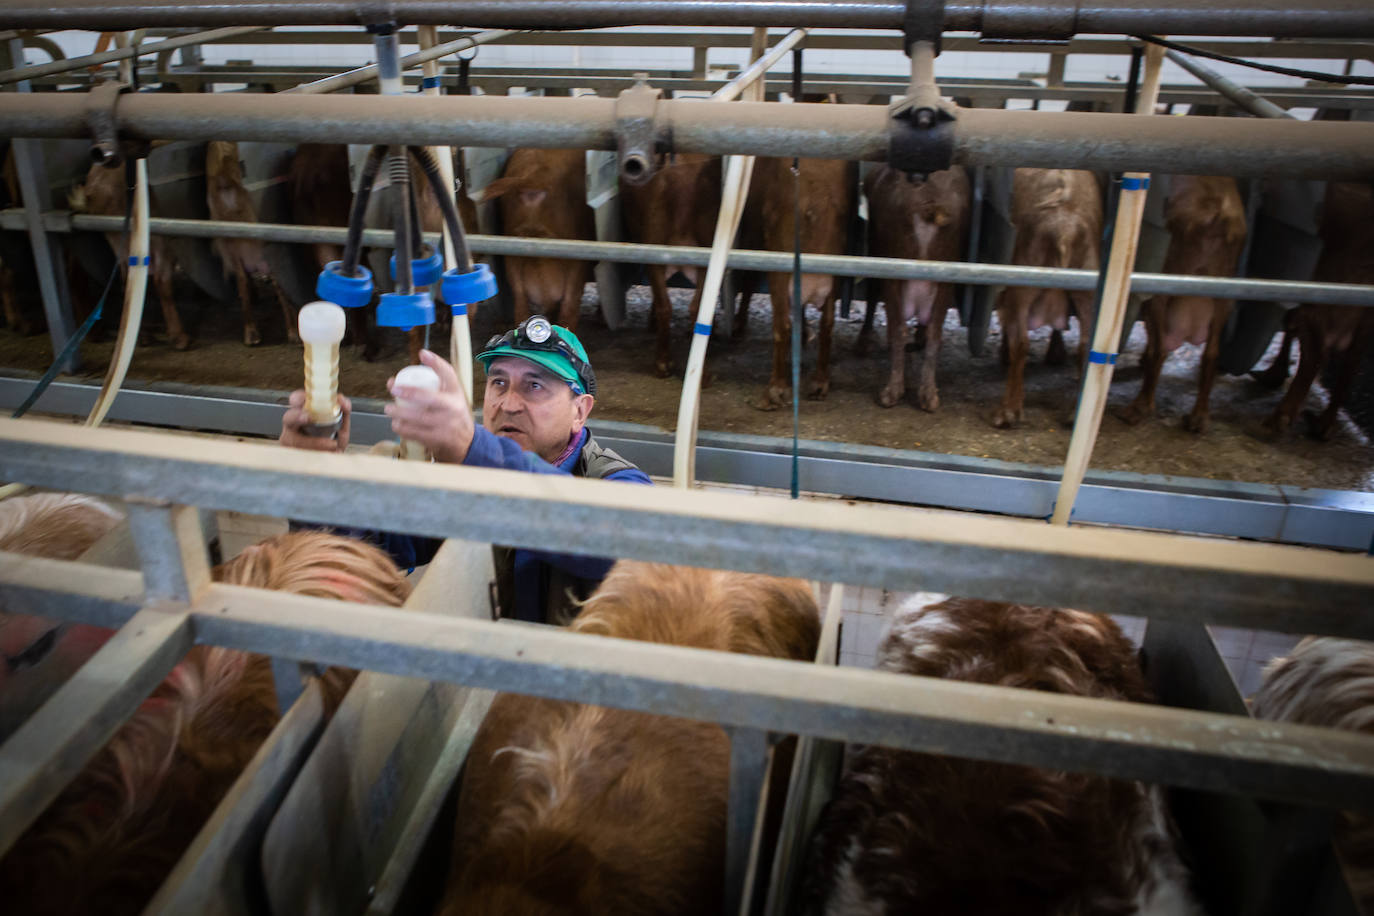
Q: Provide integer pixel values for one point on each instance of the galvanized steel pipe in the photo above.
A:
(838, 265)
(1026, 19)
(1257, 105)
(105, 57)
(1329, 150)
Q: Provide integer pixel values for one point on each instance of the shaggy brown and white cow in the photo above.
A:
(921, 833)
(578, 809)
(107, 842)
(1330, 682)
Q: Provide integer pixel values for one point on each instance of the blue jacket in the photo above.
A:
(489, 450)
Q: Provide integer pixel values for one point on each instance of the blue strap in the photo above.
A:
(1095, 356)
(1135, 184)
(702, 328)
(62, 358)
(429, 82)
(459, 310)
(134, 262)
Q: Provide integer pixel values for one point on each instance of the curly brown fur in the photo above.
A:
(110, 838)
(60, 526)
(919, 833)
(575, 809)
(1330, 682)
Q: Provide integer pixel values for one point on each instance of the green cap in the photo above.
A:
(555, 362)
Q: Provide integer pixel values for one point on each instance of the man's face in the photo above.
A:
(529, 404)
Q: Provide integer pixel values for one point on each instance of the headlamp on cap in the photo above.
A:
(538, 329)
(538, 334)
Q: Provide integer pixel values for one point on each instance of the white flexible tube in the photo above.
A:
(734, 193)
(1116, 290)
(135, 293)
(460, 337)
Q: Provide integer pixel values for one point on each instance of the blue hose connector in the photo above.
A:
(423, 271)
(462, 289)
(405, 310)
(349, 292)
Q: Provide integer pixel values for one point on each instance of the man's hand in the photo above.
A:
(440, 420)
(297, 417)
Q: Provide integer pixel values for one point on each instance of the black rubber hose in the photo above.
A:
(398, 167)
(430, 166)
(353, 247)
(417, 237)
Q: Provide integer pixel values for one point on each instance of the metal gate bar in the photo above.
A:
(1262, 586)
(1328, 150)
(1270, 18)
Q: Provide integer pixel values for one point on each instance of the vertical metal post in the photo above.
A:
(749, 755)
(171, 548)
(47, 252)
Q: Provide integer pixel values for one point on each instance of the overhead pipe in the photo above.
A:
(1257, 105)
(1329, 150)
(122, 54)
(993, 18)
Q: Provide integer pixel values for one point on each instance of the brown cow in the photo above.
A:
(104, 192)
(921, 220)
(243, 259)
(1329, 332)
(110, 838)
(827, 205)
(1330, 683)
(909, 832)
(1206, 219)
(543, 194)
(1058, 218)
(677, 206)
(566, 808)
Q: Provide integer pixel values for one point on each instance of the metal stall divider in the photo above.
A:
(352, 824)
(1260, 858)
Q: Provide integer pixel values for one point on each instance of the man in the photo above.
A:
(540, 389)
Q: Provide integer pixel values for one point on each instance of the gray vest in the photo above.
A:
(562, 591)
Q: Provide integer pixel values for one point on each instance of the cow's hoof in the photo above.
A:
(1131, 415)
(1319, 426)
(773, 398)
(890, 396)
(1196, 423)
(928, 399)
(181, 342)
(818, 389)
(251, 337)
(1006, 418)
(663, 368)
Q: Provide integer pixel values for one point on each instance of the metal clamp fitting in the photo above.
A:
(636, 130)
(921, 129)
(323, 430)
(924, 20)
(100, 116)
